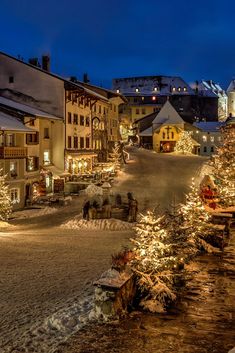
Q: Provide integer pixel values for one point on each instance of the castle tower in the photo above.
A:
(231, 98)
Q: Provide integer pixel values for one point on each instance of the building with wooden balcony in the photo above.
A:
(13, 156)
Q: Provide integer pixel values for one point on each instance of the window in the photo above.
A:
(100, 109)
(118, 91)
(212, 138)
(32, 164)
(219, 138)
(75, 119)
(114, 108)
(111, 131)
(179, 89)
(172, 134)
(104, 110)
(205, 149)
(163, 135)
(137, 90)
(15, 195)
(46, 158)
(75, 142)
(95, 108)
(10, 140)
(13, 169)
(137, 111)
(204, 138)
(155, 89)
(11, 79)
(185, 89)
(46, 132)
(32, 139)
(81, 142)
(173, 89)
(82, 120)
(87, 121)
(154, 98)
(143, 111)
(69, 142)
(87, 142)
(69, 118)
(212, 148)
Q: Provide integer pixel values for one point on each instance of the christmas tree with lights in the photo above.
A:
(5, 201)
(223, 166)
(185, 143)
(154, 263)
(196, 220)
(115, 157)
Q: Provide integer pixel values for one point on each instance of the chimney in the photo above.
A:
(46, 62)
(85, 78)
(34, 62)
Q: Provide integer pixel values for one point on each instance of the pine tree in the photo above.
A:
(5, 201)
(185, 143)
(223, 165)
(153, 263)
(196, 220)
(115, 157)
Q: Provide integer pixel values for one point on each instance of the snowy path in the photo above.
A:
(47, 271)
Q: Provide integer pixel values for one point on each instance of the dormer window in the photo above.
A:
(137, 90)
(185, 89)
(179, 89)
(155, 89)
(173, 89)
(118, 91)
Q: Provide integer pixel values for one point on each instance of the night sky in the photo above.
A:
(108, 39)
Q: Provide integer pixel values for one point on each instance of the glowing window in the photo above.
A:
(153, 98)
(212, 138)
(204, 138)
(137, 90)
(46, 157)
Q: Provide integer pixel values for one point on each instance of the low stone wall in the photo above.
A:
(114, 292)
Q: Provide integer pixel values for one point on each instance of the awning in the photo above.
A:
(80, 154)
(11, 123)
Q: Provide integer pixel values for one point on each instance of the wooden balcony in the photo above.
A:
(13, 152)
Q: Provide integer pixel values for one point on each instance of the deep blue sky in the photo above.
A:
(108, 39)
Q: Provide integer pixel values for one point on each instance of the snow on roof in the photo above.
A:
(167, 115)
(23, 108)
(210, 89)
(147, 132)
(10, 123)
(209, 126)
(231, 86)
(152, 85)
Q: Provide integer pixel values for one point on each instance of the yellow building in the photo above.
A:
(165, 129)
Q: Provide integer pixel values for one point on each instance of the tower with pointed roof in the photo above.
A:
(231, 98)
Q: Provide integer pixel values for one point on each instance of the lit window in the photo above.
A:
(185, 89)
(15, 195)
(204, 138)
(155, 89)
(46, 157)
(137, 90)
(173, 89)
(13, 169)
(219, 138)
(212, 138)
(118, 91)
(179, 89)
(153, 98)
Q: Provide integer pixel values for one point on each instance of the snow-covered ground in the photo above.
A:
(48, 270)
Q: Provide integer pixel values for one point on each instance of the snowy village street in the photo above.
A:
(47, 271)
